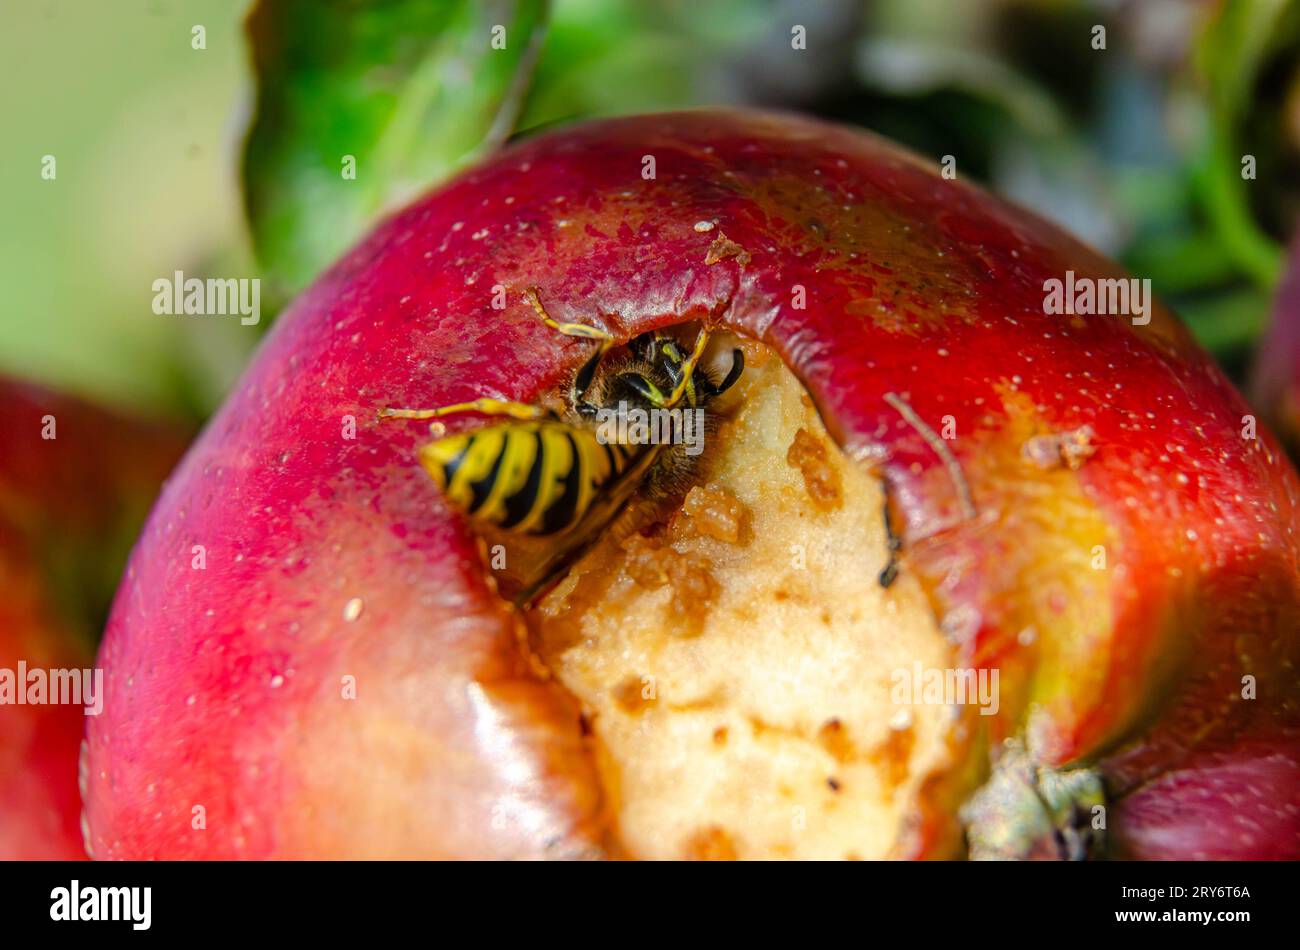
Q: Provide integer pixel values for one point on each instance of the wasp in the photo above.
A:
(542, 473)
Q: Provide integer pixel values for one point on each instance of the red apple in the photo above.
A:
(40, 808)
(1078, 507)
(75, 482)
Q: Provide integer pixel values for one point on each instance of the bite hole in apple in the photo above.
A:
(732, 648)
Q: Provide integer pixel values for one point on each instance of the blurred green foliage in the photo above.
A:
(360, 106)
(144, 130)
(1137, 148)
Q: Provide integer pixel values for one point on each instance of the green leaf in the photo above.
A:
(410, 90)
(1229, 322)
(909, 67)
(1231, 52)
(615, 57)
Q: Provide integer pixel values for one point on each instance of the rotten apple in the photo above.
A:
(921, 473)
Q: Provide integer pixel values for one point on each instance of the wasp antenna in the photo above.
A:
(733, 374)
(580, 330)
(535, 299)
(387, 413)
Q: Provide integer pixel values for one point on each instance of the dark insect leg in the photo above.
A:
(582, 382)
(895, 544)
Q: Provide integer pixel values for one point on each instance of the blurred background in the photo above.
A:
(1136, 148)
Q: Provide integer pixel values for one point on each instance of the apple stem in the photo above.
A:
(1030, 811)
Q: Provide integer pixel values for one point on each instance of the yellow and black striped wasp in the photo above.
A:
(545, 474)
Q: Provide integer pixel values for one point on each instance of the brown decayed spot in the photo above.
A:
(722, 248)
(834, 738)
(1070, 449)
(808, 454)
(716, 513)
(893, 754)
(631, 695)
(652, 564)
(710, 844)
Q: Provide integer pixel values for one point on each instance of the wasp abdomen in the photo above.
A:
(531, 477)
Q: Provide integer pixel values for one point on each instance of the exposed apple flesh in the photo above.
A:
(735, 662)
(1076, 496)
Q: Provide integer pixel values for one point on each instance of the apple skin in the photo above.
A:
(225, 685)
(69, 506)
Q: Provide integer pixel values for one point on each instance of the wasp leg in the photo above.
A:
(488, 407)
(688, 371)
(894, 543)
(582, 382)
